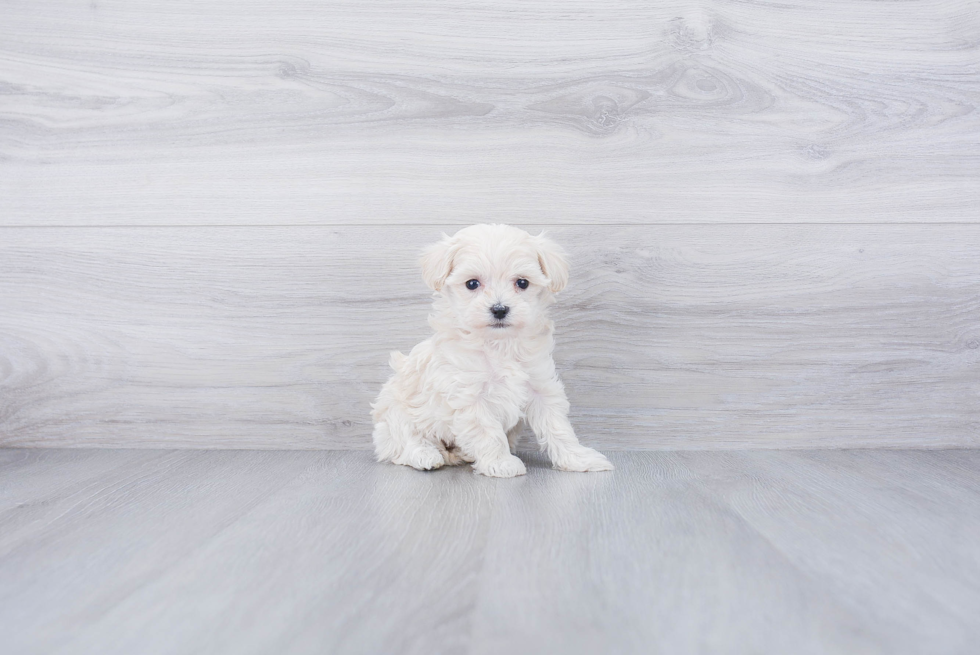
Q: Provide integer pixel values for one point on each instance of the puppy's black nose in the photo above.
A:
(499, 311)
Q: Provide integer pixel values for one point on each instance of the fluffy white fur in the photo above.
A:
(460, 395)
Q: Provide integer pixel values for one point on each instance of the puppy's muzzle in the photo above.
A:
(499, 311)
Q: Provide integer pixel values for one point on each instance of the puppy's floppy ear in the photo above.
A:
(437, 261)
(553, 263)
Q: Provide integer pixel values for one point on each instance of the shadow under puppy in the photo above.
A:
(460, 395)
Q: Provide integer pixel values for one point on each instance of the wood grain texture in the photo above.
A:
(668, 336)
(739, 552)
(310, 552)
(249, 552)
(441, 112)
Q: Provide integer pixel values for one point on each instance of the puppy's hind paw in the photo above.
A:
(582, 459)
(423, 459)
(503, 467)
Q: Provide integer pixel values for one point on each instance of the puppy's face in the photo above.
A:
(496, 279)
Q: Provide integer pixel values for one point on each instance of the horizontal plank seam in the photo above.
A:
(411, 225)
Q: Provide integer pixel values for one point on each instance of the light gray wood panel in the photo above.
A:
(300, 112)
(931, 599)
(668, 336)
(748, 552)
(311, 552)
(59, 482)
(252, 552)
(100, 539)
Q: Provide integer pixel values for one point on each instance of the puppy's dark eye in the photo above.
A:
(472, 284)
(522, 283)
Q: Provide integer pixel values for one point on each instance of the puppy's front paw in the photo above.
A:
(582, 459)
(504, 467)
(423, 459)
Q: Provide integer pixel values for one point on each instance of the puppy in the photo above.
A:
(460, 395)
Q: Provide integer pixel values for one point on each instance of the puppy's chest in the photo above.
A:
(503, 384)
(508, 384)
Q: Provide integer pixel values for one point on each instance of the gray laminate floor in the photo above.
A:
(136, 551)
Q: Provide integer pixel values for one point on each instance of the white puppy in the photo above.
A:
(460, 395)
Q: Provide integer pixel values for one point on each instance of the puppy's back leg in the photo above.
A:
(385, 448)
(396, 441)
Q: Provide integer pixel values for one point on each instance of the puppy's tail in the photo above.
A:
(395, 360)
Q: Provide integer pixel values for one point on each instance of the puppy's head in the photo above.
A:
(495, 279)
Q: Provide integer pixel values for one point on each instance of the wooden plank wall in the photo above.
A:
(210, 213)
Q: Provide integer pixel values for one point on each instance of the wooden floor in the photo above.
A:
(137, 551)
